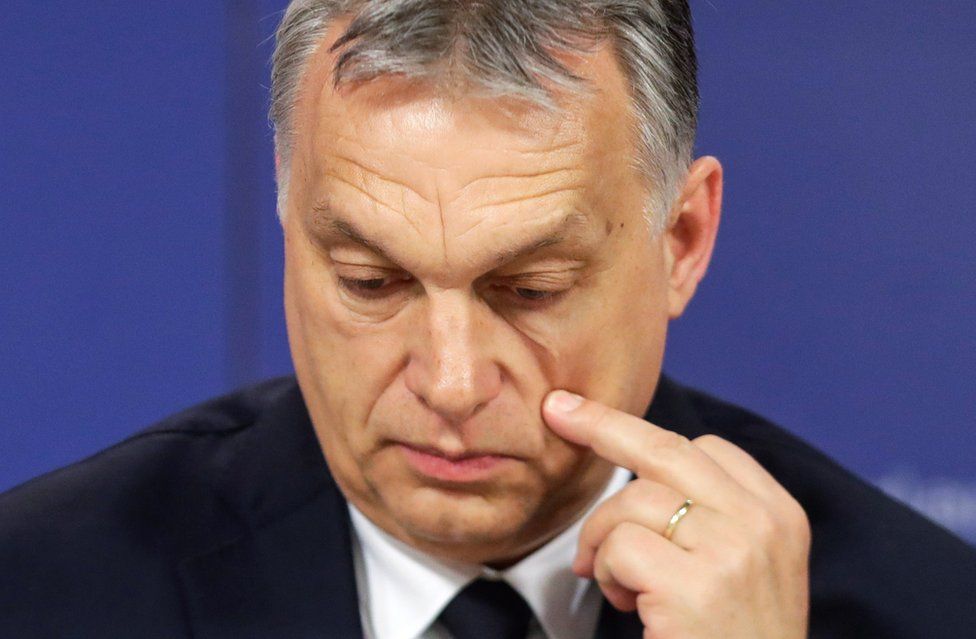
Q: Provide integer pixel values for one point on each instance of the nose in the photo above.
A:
(451, 368)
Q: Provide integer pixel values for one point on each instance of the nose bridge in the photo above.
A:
(452, 369)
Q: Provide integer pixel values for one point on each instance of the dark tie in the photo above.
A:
(487, 610)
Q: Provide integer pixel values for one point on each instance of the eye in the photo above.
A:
(528, 297)
(533, 295)
(535, 290)
(373, 288)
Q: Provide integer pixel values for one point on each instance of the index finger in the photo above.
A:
(650, 451)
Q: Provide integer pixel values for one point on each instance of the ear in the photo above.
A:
(690, 236)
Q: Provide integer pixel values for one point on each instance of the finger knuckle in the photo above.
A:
(623, 537)
(589, 531)
(739, 559)
(709, 441)
(791, 521)
(600, 417)
(669, 448)
(671, 441)
(799, 524)
(613, 551)
(637, 495)
(766, 527)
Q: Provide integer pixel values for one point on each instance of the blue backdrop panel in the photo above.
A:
(111, 193)
(143, 258)
(842, 298)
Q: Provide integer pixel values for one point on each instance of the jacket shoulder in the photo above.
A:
(169, 451)
(92, 533)
(877, 567)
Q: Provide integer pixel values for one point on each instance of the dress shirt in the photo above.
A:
(402, 591)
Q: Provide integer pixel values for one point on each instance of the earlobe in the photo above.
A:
(690, 237)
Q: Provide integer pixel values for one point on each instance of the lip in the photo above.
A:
(468, 467)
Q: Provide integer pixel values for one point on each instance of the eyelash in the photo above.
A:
(377, 288)
(536, 296)
(373, 288)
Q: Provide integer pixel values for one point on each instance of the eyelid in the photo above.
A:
(546, 265)
(552, 289)
(540, 280)
(366, 264)
(350, 272)
(357, 255)
(388, 289)
(554, 273)
(529, 303)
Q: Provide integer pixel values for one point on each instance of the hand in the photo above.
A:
(736, 565)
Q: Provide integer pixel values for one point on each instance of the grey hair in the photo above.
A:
(506, 47)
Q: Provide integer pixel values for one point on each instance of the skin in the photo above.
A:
(450, 261)
(736, 564)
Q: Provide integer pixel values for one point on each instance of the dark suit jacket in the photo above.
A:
(223, 521)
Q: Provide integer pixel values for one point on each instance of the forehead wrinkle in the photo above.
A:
(332, 220)
(376, 175)
(570, 224)
(562, 146)
(375, 201)
(514, 177)
(509, 255)
(326, 218)
(525, 199)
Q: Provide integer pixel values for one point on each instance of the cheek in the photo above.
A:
(609, 348)
(344, 366)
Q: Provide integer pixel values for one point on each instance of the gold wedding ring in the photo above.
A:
(677, 517)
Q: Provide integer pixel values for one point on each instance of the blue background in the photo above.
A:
(140, 258)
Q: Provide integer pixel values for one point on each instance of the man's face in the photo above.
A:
(449, 261)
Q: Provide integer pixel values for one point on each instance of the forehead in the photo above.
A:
(461, 141)
(449, 163)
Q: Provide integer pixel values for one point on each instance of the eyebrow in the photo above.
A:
(560, 232)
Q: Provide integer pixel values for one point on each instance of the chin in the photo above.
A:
(459, 524)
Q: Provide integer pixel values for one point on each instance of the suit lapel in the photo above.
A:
(293, 578)
(288, 572)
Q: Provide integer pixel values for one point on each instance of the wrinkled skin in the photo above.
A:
(450, 260)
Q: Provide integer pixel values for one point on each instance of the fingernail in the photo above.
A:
(563, 401)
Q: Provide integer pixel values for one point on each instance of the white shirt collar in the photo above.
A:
(402, 591)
